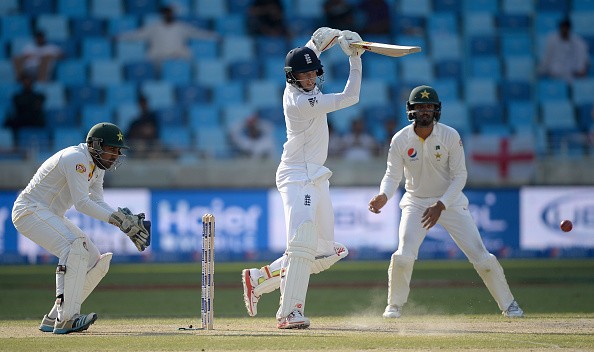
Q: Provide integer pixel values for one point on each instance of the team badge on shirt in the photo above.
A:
(80, 168)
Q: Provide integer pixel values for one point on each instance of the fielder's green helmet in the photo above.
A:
(423, 95)
(107, 134)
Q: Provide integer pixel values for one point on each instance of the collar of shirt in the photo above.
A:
(412, 135)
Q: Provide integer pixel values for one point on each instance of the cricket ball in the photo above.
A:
(566, 225)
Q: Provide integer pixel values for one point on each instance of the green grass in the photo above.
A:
(140, 307)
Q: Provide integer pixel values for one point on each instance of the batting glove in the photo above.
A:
(324, 38)
(345, 39)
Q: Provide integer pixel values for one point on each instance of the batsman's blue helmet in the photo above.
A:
(299, 60)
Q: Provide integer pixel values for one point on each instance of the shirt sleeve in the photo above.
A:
(458, 172)
(96, 194)
(394, 171)
(78, 185)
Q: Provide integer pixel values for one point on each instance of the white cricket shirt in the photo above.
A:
(306, 148)
(433, 168)
(68, 178)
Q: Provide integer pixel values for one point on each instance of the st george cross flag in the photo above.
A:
(500, 160)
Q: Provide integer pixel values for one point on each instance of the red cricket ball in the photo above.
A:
(566, 226)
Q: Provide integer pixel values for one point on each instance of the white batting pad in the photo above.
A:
(492, 274)
(95, 275)
(399, 274)
(74, 280)
(300, 256)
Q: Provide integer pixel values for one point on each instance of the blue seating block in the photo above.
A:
(483, 45)
(96, 49)
(557, 6)
(171, 116)
(87, 27)
(37, 7)
(15, 26)
(34, 137)
(190, 94)
(67, 136)
(244, 70)
(203, 115)
(71, 72)
(139, 71)
(141, 7)
(552, 90)
(450, 68)
(62, 117)
(112, 9)
(84, 95)
(72, 8)
(176, 71)
(176, 138)
(513, 90)
(118, 94)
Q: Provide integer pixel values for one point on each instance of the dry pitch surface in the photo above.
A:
(421, 332)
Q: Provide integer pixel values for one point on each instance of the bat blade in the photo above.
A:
(387, 49)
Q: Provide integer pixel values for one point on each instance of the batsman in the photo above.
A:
(74, 177)
(302, 178)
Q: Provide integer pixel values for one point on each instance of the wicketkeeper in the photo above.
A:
(74, 177)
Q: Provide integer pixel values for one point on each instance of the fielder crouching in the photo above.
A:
(74, 177)
(302, 179)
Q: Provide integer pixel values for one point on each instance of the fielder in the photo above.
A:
(431, 156)
(74, 176)
(302, 178)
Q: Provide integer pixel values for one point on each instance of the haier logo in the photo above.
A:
(181, 225)
(577, 207)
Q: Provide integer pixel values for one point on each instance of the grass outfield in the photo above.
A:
(140, 307)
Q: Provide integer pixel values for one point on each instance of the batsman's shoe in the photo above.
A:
(47, 324)
(77, 323)
(250, 299)
(392, 312)
(295, 320)
(513, 311)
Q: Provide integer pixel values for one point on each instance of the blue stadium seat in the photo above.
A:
(373, 92)
(71, 72)
(210, 9)
(6, 139)
(558, 114)
(232, 114)
(262, 93)
(499, 129)
(546, 22)
(521, 115)
(126, 113)
(271, 46)
(274, 68)
(516, 44)
(204, 49)
(236, 48)
(377, 67)
(228, 93)
(7, 90)
(72, 8)
(67, 136)
(518, 7)
(141, 7)
(94, 114)
(478, 91)
(69, 49)
(566, 142)
(62, 117)
(443, 23)
(87, 27)
(171, 116)
(484, 115)
(54, 94)
(139, 71)
(203, 115)
(211, 72)
(490, 6)
(448, 89)
(158, 93)
(84, 95)
(55, 27)
(176, 71)
(176, 138)
(309, 8)
(34, 138)
(480, 23)
(190, 94)
(15, 26)
(106, 8)
(339, 70)
(7, 71)
(515, 90)
(119, 25)
(119, 94)
(552, 90)
(212, 142)
(105, 73)
(584, 116)
(341, 119)
(239, 6)
(93, 49)
(520, 68)
(581, 22)
(181, 8)
(455, 114)
(408, 25)
(483, 45)
(130, 51)
(485, 67)
(37, 7)
(244, 70)
(273, 114)
(449, 68)
(299, 25)
(445, 46)
(9, 6)
(582, 91)
(513, 23)
(415, 7)
(417, 70)
(447, 6)
(231, 24)
(412, 41)
(557, 6)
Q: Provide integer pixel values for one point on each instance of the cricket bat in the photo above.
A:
(387, 49)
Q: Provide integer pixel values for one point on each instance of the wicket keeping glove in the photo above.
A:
(134, 226)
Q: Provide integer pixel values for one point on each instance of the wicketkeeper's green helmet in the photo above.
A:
(423, 95)
(105, 133)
